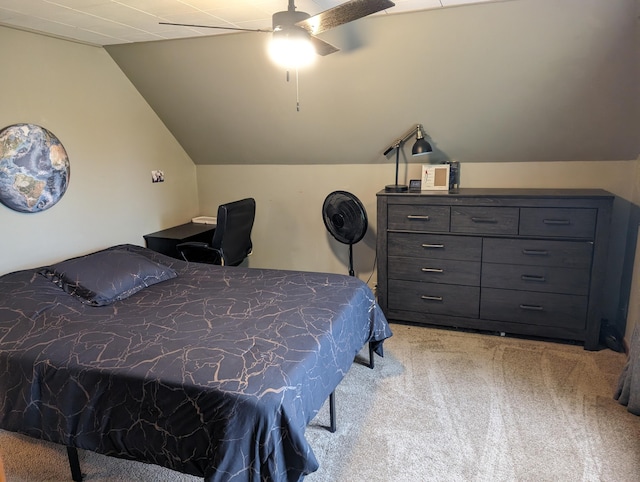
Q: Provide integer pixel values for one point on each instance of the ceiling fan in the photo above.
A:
(295, 32)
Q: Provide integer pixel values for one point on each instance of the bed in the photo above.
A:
(207, 370)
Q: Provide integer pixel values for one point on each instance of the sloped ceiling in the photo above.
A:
(510, 81)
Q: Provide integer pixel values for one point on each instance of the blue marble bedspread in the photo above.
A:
(215, 373)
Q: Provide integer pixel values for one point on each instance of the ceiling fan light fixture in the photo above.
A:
(292, 48)
(291, 23)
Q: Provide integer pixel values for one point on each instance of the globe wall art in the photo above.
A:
(34, 168)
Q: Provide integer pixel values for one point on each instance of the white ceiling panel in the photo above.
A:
(235, 13)
(73, 3)
(108, 22)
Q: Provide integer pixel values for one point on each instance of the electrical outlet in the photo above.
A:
(157, 176)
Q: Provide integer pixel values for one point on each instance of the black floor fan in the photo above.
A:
(346, 220)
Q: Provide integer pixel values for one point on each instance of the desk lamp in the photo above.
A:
(420, 148)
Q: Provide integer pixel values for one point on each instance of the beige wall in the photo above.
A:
(289, 232)
(113, 139)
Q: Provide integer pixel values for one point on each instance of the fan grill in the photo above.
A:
(345, 217)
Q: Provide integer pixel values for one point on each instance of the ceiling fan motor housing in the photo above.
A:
(288, 19)
(293, 25)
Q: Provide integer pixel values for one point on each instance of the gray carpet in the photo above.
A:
(442, 406)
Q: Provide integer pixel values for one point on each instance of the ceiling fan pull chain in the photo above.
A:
(297, 93)
(297, 90)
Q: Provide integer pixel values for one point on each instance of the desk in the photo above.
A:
(165, 241)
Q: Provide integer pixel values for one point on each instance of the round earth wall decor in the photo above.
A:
(34, 168)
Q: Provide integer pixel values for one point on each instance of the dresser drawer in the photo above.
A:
(568, 254)
(434, 298)
(557, 222)
(545, 309)
(406, 217)
(434, 246)
(484, 220)
(549, 279)
(431, 270)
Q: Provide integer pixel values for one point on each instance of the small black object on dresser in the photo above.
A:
(522, 261)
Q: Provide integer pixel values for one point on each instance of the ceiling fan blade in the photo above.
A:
(344, 13)
(322, 47)
(211, 26)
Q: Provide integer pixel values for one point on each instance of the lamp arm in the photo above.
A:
(398, 142)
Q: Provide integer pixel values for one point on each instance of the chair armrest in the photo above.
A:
(199, 252)
(194, 244)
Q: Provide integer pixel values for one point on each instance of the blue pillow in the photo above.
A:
(107, 276)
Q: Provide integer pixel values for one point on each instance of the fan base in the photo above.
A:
(396, 188)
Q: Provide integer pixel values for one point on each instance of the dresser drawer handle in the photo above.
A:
(433, 270)
(484, 220)
(421, 218)
(531, 277)
(535, 252)
(532, 307)
(431, 298)
(557, 222)
(430, 246)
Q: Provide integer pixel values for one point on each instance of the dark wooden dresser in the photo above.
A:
(521, 261)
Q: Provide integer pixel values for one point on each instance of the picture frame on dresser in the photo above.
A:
(520, 261)
(435, 177)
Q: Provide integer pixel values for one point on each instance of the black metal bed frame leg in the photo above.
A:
(371, 360)
(332, 396)
(74, 464)
(332, 412)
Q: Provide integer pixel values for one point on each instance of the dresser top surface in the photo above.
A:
(504, 192)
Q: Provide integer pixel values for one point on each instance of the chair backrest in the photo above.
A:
(232, 237)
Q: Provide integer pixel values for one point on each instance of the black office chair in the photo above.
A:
(231, 242)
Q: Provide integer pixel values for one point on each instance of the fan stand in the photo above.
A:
(351, 272)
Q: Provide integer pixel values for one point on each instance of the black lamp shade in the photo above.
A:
(421, 147)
